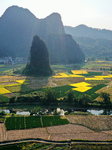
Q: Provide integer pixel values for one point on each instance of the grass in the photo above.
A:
(43, 146)
(7, 69)
(4, 99)
(14, 123)
(63, 89)
(108, 90)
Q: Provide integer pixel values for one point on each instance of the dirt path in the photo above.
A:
(3, 136)
(107, 86)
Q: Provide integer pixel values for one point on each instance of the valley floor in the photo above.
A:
(60, 133)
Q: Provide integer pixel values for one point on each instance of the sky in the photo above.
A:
(93, 13)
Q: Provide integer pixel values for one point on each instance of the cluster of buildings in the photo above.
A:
(9, 60)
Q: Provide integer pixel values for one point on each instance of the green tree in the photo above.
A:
(12, 99)
(106, 97)
(70, 96)
(51, 95)
(84, 100)
(36, 110)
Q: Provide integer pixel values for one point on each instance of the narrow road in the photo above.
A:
(54, 142)
(107, 86)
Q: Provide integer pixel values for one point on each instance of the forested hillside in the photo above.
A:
(94, 42)
(97, 48)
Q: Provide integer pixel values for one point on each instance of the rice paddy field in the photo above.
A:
(66, 78)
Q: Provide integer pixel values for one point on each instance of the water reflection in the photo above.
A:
(23, 113)
(7, 111)
(95, 112)
(62, 111)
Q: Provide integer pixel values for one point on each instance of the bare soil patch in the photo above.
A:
(38, 82)
(2, 132)
(70, 128)
(66, 81)
(28, 133)
(7, 83)
(81, 136)
(97, 123)
(11, 78)
(57, 133)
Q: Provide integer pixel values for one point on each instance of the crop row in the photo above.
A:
(14, 123)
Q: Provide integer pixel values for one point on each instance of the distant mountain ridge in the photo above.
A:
(94, 42)
(18, 26)
(85, 31)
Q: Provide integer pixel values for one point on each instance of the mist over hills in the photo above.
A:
(89, 32)
(94, 42)
(18, 26)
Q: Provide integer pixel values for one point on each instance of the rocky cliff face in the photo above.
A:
(49, 25)
(39, 59)
(63, 49)
(18, 26)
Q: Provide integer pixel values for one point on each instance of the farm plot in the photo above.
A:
(27, 133)
(18, 89)
(83, 86)
(14, 123)
(59, 133)
(90, 91)
(13, 84)
(53, 120)
(97, 123)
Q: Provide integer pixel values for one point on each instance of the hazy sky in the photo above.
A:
(93, 13)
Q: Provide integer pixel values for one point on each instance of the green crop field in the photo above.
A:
(53, 120)
(18, 88)
(14, 123)
(64, 89)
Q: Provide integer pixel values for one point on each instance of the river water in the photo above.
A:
(92, 111)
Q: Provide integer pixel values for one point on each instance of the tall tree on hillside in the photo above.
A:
(39, 59)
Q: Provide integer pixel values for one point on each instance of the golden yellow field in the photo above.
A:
(79, 71)
(94, 78)
(4, 91)
(6, 81)
(81, 87)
